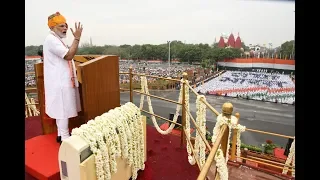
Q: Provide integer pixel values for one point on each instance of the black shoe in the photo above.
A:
(58, 139)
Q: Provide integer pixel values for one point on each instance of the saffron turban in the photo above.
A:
(56, 19)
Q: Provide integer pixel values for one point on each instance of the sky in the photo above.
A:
(116, 22)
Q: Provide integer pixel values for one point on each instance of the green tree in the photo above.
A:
(31, 50)
(245, 48)
(287, 48)
(201, 53)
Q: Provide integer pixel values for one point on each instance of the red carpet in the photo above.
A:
(279, 153)
(165, 158)
(41, 157)
(32, 127)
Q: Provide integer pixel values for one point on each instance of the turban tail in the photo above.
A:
(56, 19)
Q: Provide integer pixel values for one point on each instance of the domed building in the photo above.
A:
(230, 42)
(238, 43)
(221, 43)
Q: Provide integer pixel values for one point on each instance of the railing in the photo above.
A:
(259, 160)
(30, 104)
(223, 135)
(30, 109)
(30, 89)
(222, 138)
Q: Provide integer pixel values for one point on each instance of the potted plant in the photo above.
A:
(208, 137)
(268, 147)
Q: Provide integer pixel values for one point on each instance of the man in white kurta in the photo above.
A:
(62, 100)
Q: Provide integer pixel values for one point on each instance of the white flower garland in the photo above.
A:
(200, 147)
(104, 159)
(240, 129)
(221, 120)
(191, 159)
(115, 137)
(137, 139)
(144, 89)
(290, 159)
(117, 133)
(221, 165)
(91, 140)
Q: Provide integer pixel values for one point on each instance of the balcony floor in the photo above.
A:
(33, 128)
(244, 173)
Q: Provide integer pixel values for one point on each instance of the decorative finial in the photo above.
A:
(185, 75)
(227, 109)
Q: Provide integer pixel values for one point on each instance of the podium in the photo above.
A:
(98, 87)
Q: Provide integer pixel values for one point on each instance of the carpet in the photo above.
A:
(165, 158)
(279, 153)
(32, 127)
(41, 157)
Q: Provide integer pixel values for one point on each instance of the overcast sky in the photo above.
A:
(119, 22)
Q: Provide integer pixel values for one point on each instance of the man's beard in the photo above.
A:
(61, 35)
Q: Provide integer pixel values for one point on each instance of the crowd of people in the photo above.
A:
(150, 68)
(257, 85)
(29, 65)
(30, 80)
(153, 68)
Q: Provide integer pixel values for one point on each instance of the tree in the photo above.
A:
(245, 48)
(192, 53)
(31, 50)
(287, 49)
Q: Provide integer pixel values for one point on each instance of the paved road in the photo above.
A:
(264, 116)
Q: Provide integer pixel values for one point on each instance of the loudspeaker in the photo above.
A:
(179, 120)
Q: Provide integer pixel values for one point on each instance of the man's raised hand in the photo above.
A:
(78, 30)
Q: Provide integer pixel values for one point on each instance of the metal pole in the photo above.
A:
(293, 45)
(294, 39)
(130, 84)
(169, 42)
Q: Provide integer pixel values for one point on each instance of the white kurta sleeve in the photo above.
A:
(56, 47)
